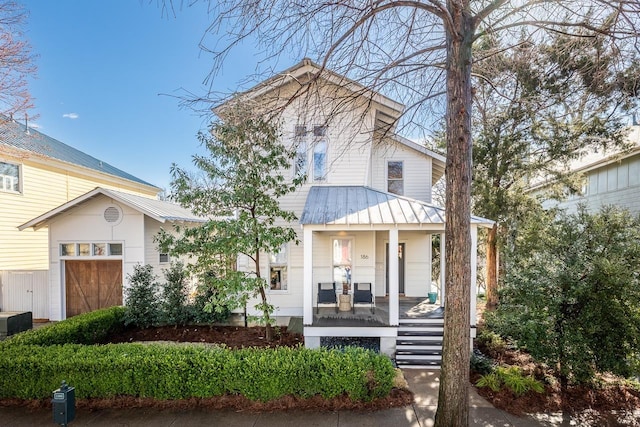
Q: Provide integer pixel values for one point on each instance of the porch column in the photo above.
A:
(394, 289)
(430, 261)
(307, 289)
(474, 272)
(443, 263)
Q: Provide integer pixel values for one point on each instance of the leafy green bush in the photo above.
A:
(174, 309)
(512, 378)
(87, 328)
(571, 294)
(490, 343)
(142, 304)
(481, 363)
(184, 371)
(202, 309)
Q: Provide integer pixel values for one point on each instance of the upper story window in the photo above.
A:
(9, 177)
(301, 162)
(311, 143)
(395, 177)
(320, 161)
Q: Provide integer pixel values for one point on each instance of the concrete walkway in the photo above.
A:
(423, 383)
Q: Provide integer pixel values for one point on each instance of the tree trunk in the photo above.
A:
(492, 268)
(453, 397)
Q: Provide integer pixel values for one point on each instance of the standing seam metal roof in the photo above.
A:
(15, 135)
(358, 205)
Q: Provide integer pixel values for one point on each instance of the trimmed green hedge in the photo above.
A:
(167, 371)
(34, 363)
(87, 328)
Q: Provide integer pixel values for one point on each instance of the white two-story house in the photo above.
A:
(365, 217)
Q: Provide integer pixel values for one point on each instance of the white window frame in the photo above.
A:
(306, 142)
(93, 250)
(7, 182)
(282, 266)
(401, 180)
(319, 141)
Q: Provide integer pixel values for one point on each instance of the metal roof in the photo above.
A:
(357, 205)
(159, 210)
(19, 136)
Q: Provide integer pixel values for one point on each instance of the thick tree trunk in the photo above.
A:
(492, 268)
(453, 397)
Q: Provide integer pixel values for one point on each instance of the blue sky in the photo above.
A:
(103, 67)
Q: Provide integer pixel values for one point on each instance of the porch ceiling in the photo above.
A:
(358, 205)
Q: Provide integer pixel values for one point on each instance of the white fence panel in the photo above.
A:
(25, 291)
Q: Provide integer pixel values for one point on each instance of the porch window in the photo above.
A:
(278, 269)
(395, 177)
(342, 261)
(9, 177)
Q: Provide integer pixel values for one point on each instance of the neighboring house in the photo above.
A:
(96, 240)
(37, 174)
(367, 190)
(610, 178)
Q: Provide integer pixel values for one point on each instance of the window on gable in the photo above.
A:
(9, 177)
(320, 161)
(301, 158)
(395, 177)
(278, 269)
(319, 131)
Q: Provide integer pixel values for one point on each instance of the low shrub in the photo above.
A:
(87, 328)
(481, 363)
(511, 378)
(185, 371)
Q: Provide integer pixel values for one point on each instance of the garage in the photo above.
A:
(95, 242)
(92, 284)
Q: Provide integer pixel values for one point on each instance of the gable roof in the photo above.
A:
(356, 205)
(21, 137)
(159, 210)
(307, 70)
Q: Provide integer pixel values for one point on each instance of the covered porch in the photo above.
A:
(347, 234)
(409, 308)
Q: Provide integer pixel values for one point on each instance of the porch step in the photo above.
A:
(419, 343)
(435, 321)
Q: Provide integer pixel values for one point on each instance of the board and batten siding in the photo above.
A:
(25, 291)
(615, 184)
(44, 187)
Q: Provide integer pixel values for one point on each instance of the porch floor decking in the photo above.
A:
(409, 308)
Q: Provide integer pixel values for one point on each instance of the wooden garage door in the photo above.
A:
(92, 285)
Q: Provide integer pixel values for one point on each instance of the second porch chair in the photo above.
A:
(363, 294)
(327, 295)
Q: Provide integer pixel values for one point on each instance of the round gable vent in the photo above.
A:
(111, 214)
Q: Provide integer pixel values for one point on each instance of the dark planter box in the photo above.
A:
(12, 322)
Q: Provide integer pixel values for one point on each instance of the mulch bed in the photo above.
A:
(234, 337)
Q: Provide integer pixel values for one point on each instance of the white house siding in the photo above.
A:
(45, 186)
(86, 224)
(416, 170)
(417, 262)
(614, 184)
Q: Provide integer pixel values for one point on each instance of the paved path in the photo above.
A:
(423, 383)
